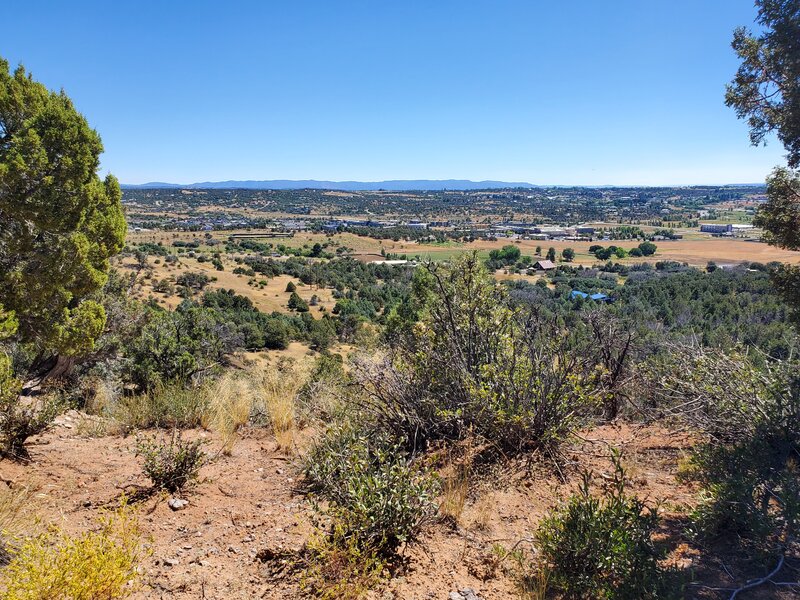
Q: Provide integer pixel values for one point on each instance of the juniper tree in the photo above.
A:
(59, 222)
(766, 92)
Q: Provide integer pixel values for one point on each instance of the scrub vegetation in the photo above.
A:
(380, 413)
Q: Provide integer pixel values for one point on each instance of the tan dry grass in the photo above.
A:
(454, 495)
(231, 401)
(481, 512)
(12, 502)
(278, 388)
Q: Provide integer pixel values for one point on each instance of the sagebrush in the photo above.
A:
(171, 465)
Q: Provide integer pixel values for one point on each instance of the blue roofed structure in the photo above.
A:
(597, 296)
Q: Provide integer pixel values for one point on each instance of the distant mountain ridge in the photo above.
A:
(394, 185)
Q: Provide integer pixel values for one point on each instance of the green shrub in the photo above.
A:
(465, 362)
(297, 303)
(748, 467)
(178, 346)
(601, 547)
(374, 493)
(750, 490)
(375, 500)
(171, 466)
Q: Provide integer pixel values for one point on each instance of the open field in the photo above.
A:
(696, 250)
(270, 295)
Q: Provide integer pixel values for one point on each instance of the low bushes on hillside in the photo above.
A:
(374, 499)
(601, 547)
(748, 465)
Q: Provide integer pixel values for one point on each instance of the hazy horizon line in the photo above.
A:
(492, 183)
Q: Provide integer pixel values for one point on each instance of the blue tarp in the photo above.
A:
(597, 296)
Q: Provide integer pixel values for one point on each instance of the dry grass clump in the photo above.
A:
(98, 396)
(231, 402)
(482, 510)
(458, 478)
(167, 405)
(455, 489)
(278, 388)
(93, 426)
(12, 503)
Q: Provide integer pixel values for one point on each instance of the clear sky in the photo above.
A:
(587, 92)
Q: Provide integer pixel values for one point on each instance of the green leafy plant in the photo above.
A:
(374, 499)
(374, 492)
(173, 465)
(601, 547)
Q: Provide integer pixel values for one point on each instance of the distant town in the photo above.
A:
(537, 214)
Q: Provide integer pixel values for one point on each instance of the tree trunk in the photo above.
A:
(62, 367)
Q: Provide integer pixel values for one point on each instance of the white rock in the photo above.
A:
(177, 503)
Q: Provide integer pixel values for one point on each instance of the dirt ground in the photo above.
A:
(247, 505)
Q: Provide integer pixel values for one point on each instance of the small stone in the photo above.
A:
(172, 562)
(177, 503)
(455, 596)
(469, 594)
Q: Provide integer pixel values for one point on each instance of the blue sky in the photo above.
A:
(587, 93)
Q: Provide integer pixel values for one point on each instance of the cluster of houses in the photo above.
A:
(526, 230)
(336, 224)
